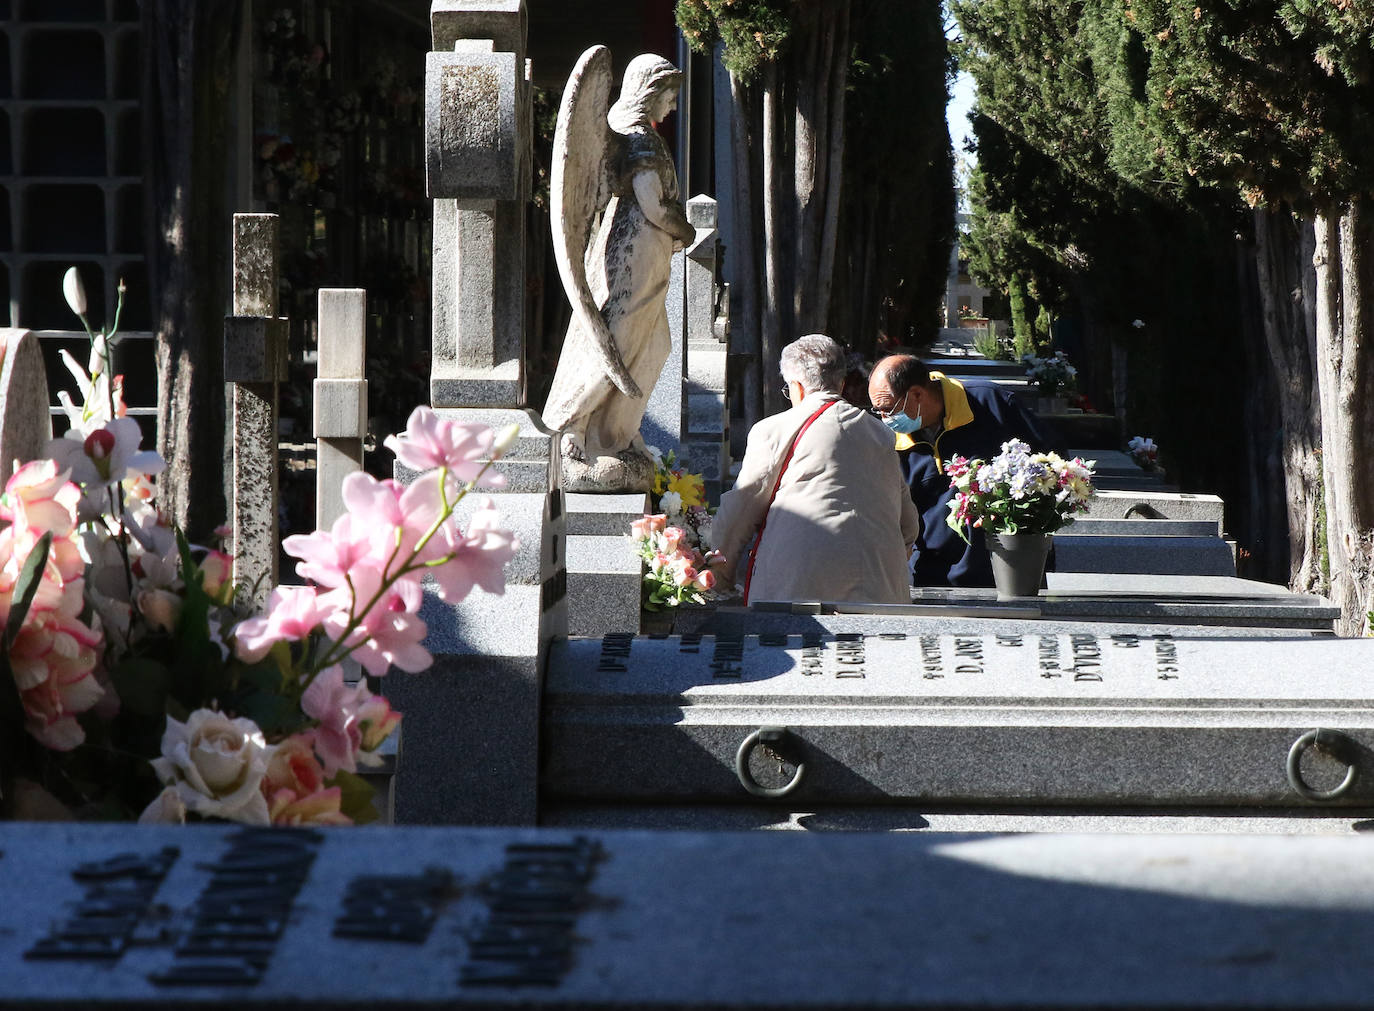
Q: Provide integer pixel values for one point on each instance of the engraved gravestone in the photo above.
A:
(216, 917)
(1010, 716)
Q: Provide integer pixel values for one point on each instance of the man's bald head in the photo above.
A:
(903, 383)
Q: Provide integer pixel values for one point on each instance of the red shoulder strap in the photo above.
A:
(753, 552)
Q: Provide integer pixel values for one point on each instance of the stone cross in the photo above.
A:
(25, 421)
(254, 365)
(477, 116)
(340, 397)
(484, 688)
(707, 387)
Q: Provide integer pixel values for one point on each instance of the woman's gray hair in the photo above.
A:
(816, 362)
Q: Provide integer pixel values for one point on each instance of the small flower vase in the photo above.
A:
(1018, 563)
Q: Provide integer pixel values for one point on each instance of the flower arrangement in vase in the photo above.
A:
(135, 681)
(1018, 499)
(1144, 452)
(1053, 374)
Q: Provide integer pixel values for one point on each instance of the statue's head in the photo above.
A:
(648, 90)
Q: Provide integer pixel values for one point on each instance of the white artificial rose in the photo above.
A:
(671, 503)
(216, 766)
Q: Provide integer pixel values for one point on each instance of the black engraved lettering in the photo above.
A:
(932, 663)
(394, 907)
(1009, 640)
(1087, 658)
(849, 656)
(615, 650)
(534, 904)
(727, 657)
(1048, 653)
(1166, 658)
(1126, 640)
(240, 914)
(118, 892)
(689, 642)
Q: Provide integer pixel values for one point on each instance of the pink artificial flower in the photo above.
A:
(293, 766)
(478, 559)
(335, 705)
(215, 570)
(319, 808)
(388, 632)
(329, 557)
(293, 612)
(38, 496)
(378, 720)
(672, 538)
(657, 522)
(396, 516)
(53, 660)
(705, 580)
(639, 529)
(431, 440)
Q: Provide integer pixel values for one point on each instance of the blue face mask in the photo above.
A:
(900, 423)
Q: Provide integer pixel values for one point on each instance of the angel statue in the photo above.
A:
(617, 220)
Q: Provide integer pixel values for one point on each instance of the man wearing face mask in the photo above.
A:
(936, 418)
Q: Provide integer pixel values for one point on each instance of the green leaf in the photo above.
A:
(355, 799)
(271, 712)
(142, 684)
(25, 587)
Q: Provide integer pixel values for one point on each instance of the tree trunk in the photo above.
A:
(1346, 377)
(745, 290)
(189, 48)
(1279, 274)
(819, 61)
(777, 270)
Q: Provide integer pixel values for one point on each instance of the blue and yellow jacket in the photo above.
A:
(979, 417)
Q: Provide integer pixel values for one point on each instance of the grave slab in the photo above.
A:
(1049, 718)
(1115, 553)
(1125, 504)
(757, 920)
(1138, 527)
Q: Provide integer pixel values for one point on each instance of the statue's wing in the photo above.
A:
(579, 192)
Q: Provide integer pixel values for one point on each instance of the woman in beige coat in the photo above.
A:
(841, 523)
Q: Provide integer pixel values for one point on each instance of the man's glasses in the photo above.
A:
(890, 409)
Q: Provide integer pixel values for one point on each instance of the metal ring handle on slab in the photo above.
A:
(1328, 742)
(765, 736)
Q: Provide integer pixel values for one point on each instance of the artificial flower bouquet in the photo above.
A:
(1144, 452)
(681, 496)
(1017, 492)
(1053, 374)
(135, 680)
(675, 539)
(677, 572)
